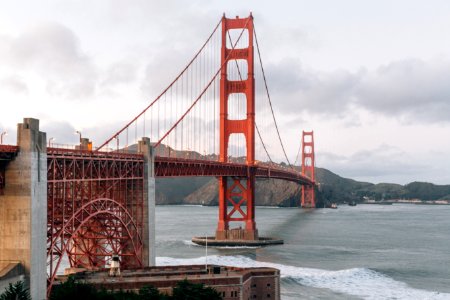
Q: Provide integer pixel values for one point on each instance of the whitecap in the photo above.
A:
(361, 282)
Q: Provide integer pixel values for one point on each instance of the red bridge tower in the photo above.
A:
(236, 194)
(308, 165)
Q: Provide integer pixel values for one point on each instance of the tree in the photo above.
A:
(151, 293)
(16, 291)
(73, 290)
(185, 290)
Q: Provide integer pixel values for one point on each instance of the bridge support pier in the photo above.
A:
(23, 208)
(238, 194)
(145, 147)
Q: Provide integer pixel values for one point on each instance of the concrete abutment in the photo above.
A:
(23, 208)
(145, 148)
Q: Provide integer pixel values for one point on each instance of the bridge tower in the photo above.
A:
(236, 194)
(308, 165)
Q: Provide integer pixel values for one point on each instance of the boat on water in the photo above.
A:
(330, 205)
(352, 203)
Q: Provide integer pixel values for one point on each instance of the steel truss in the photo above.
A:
(179, 167)
(95, 209)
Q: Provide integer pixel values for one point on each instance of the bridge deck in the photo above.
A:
(178, 167)
(8, 152)
(172, 166)
(185, 167)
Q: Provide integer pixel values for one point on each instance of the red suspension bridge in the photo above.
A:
(207, 122)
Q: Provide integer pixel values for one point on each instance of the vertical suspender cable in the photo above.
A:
(268, 96)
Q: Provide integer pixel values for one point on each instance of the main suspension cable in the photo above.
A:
(204, 90)
(256, 125)
(165, 90)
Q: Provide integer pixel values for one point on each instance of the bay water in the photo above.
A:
(399, 251)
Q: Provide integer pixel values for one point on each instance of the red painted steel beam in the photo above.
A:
(180, 167)
(95, 204)
(8, 152)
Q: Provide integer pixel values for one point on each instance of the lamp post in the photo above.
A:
(79, 133)
(117, 145)
(50, 141)
(2, 135)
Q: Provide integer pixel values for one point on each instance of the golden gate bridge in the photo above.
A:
(206, 122)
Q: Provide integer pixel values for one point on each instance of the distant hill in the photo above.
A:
(272, 192)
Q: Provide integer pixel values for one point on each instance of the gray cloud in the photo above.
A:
(413, 89)
(62, 131)
(384, 163)
(15, 84)
(53, 51)
(159, 73)
(119, 73)
(410, 90)
(296, 89)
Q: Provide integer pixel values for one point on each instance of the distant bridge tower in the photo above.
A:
(236, 194)
(308, 165)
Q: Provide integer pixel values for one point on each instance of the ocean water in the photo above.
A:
(362, 252)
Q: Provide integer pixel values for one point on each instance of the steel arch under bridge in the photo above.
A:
(95, 208)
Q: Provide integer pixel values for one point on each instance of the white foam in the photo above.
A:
(361, 282)
(268, 207)
(237, 247)
(190, 243)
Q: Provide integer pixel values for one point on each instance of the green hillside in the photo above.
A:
(271, 192)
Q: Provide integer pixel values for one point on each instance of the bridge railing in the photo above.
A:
(9, 148)
(8, 152)
(178, 166)
(175, 163)
(71, 150)
(130, 149)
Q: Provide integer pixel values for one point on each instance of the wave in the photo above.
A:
(361, 282)
(190, 243)
(269, 207)
(237, 247)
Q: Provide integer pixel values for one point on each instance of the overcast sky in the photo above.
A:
(372, 78)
